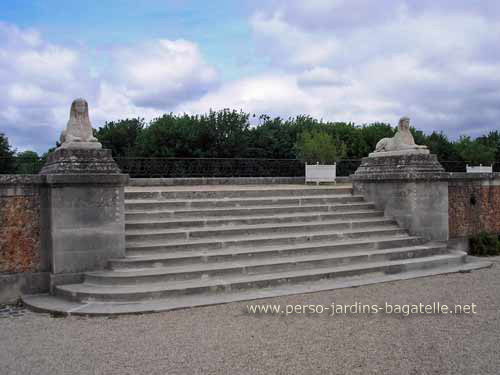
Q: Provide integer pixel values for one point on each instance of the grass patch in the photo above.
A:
(484, 244)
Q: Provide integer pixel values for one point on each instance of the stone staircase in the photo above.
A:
(194, 245)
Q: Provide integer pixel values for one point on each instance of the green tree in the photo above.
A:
(221, 134)
(175, 136)
(474, 152)
(440, 145)
(368, 136)
(273, 138)
(319, 146)
(121, 136)
(28, 162)
(418, 135)
(230, 132)
(492, 140)
(7, 160)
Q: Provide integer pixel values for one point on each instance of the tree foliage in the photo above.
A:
(222, 134)
(235, 134)
(121, 136)
(475, 152)
(28, 162)
(7, 161)
(315, 146)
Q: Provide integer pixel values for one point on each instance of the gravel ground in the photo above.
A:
(225, 339)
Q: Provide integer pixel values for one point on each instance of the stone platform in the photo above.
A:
(412, 188)
(398, 153)
(80, 161)
(387, 166)
(192, 246)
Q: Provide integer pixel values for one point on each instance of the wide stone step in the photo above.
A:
(151, 204)
(259, 229)
(158, 193)
(236, 254)
(255, 266)
(147, 291)
(156, 214)
(248, 220)
(60, 305)
(144, 247)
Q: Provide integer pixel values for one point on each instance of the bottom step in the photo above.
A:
(59, 305)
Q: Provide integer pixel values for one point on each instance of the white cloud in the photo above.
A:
(437, 64)
(293, 44)
(39, 80)
(112, 104)
(321, 76)
(162, 73)
(284, 95)
(273, 94)
(36, 78)
(341, 60)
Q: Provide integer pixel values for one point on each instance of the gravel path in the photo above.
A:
(225, 339)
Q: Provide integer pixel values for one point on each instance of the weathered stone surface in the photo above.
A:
(398, 153)
(86, 216)
(219, 181)
(23, 263)
(20, 224)
(87, 179)
(54, 226)
(420, 206)
(474, 205)
(79, 151)
(411, 188)
(415, 190)
(78, 132)
(16, 180)
(78, 161)
(84, 203)
(14, 285)
(401, 167)
(402, 142)
(19, 233)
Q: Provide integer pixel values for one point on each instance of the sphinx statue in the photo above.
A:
(78, 132)
(401, 143)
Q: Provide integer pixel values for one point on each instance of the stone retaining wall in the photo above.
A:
(23, 266)
(20, 224)
(474, 204)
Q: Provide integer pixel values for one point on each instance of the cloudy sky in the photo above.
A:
(436, 61)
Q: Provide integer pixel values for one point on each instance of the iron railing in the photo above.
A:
(21, 165)
(461, 166)
(211, 167)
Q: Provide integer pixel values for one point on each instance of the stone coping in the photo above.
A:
(21, 179)
(115, 179)
(35, 179)
(432, 176)
(473, 176)
(382, 154)
(196, 181)
(215, 181)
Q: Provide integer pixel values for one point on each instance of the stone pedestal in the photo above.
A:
(412, 188)
(80, 161)
(84, 210)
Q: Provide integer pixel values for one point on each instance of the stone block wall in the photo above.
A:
(23, 266)
(474, 205)
(20, 224)
(26, 202)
